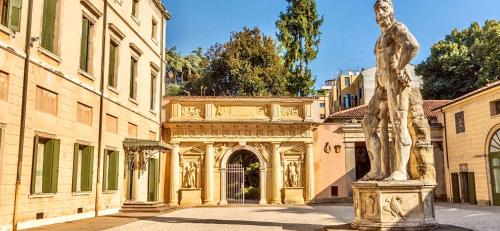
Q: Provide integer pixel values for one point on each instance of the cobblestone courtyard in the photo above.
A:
(303, 218)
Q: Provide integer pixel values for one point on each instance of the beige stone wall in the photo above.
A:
(59, 72)
(471, 146)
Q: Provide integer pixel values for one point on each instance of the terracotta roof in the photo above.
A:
(360, 111)
(240, 97)
(488, 86)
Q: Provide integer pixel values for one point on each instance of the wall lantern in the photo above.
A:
(327, 147)
(337, 148)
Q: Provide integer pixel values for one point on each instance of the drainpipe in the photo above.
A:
(162, 54)
(101, 109)
(446, 153)
(27, 50)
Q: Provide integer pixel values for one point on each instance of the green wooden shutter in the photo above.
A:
(48, 158)
(105, 171)
(14, 20)
(86, 164)
(472, 188)
(113, 171)
(55, 165)
(132, 78)
(111, 67)
(48, 24)
(115, 174)
(84, 51)
(455, 188)
(33, 166)
(91, 167)
(75, 167)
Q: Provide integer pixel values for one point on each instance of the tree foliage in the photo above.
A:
(248, 64)
(299, 35)
(464, 61)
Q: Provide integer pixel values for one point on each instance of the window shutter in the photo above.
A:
(91, 167)
(85, 168)
(48, 158)
(132, 78)
(14, 21)
(48, 26)
(75, 167)
(85, 45)
(33, 166)
(111, 68)
(105, 171)
(115, 170)
(111, 171)
(55, 165)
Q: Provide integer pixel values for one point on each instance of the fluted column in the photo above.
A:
(209, 174)
(277, 176)
(309, 172)
(263, 190)
(174, 175)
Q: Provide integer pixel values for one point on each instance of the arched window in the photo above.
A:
(495, 142)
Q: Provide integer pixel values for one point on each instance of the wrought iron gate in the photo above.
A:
(235, 184)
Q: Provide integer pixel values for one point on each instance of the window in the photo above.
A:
(85, 45)
(152, 135)
(494, 107)
(133, 78)
(460, 122)
(112, 76)
(347, 101)
(132, 130)
(135, 8)
(45, 165)
(153, 91)
(110, 171)
(10, 13)
(49, 25)
(46, 101)
(84, 114)
(360, 92)
(347, 81)
(322, 116)
(334, 191)
(111, 124)
(154, 29)
(4, 86)
(322, 105)
(83, 160)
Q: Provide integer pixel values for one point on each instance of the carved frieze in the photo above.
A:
(241, 111)
(290, 111)
(241, 131)
(192, 111)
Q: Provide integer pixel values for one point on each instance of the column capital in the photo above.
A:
(175, 143)
(308, 142)
(275, 143)
(209, 143)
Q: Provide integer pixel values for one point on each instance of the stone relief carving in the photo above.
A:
(241, 111)
(292, 174)
(393, 207)
(369, 204)
(271, 131)
(290, 111)
(191, 112)
(190, 175)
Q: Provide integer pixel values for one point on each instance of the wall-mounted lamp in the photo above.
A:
(337, 148)
(327, 147)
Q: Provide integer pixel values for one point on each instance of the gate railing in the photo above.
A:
(235, 184)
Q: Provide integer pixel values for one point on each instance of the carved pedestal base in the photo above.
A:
(190, 197)
(407, 205)
(294, 195)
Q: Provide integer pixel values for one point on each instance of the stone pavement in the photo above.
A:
(299, 218)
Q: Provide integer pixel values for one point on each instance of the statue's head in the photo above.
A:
(384, 11)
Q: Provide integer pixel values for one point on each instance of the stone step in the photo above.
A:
(144, 207)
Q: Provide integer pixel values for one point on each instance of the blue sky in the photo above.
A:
(348, 32)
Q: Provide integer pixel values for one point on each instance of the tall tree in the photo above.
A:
(463, 62)
(299, 35)
(182, 71)
(248, 64)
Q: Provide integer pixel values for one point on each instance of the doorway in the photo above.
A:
(494, 161)
(153, 180)
(243, 178)
(362, 160)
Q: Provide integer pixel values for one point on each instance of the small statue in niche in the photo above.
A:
(293, 176)
(190, 175)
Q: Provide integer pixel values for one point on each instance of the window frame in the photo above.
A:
(154, 29)
(8, 10)
(54, 165)
(38, 106)
(90, 34)
(134, 69)
(54, 32)
(459, 122)
(135, 9)
(153, 89)
(106, 187)
(113, 72)
(5, 92)
(88, 153)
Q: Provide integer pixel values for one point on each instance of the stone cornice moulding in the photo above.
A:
(154, 66)
(113, 28)
(91, 8)
(135, 49)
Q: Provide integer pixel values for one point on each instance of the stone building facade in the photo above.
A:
(95, 70)
(472, 147)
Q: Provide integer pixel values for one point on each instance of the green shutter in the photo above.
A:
(132, 78)
(48, 158)
(33, 166)
(111, 68)
(91, 167)
(75, 167)
(84, 51)
(471, 182)
(48, 24)
(86, 164)
(115, 174)
(455, 188)
(55, 165)
(113, 170)
(14, 20)
(105, 171)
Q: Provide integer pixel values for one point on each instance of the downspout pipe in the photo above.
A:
(27, 50)
(446, 153)
(101, 108)
(162, 76)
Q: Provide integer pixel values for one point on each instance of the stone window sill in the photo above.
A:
(49, 54)
(86, 74)
(110, 192)
(7, 31)
(41, 195)
(134, 101)
(155, 41)
(136, 20)
(113, 89)
(152, 111)
(80, 193)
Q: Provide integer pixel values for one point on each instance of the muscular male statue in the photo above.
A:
(396, 99)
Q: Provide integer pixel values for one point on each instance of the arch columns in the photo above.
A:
(209, 174)
(174, 175)
(277, 173)
(309, 172)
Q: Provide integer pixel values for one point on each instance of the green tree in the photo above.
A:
(463, 62)
(248, 64)
(299, 34)
(183, 71)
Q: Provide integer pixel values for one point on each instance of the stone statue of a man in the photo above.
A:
(395, 98)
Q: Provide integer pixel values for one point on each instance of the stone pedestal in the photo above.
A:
(190, 197)
(294, 195)
(407, 205)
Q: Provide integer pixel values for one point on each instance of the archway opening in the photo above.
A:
(362, 160)
(250, 169)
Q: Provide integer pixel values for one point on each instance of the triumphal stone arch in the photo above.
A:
(205, 132)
